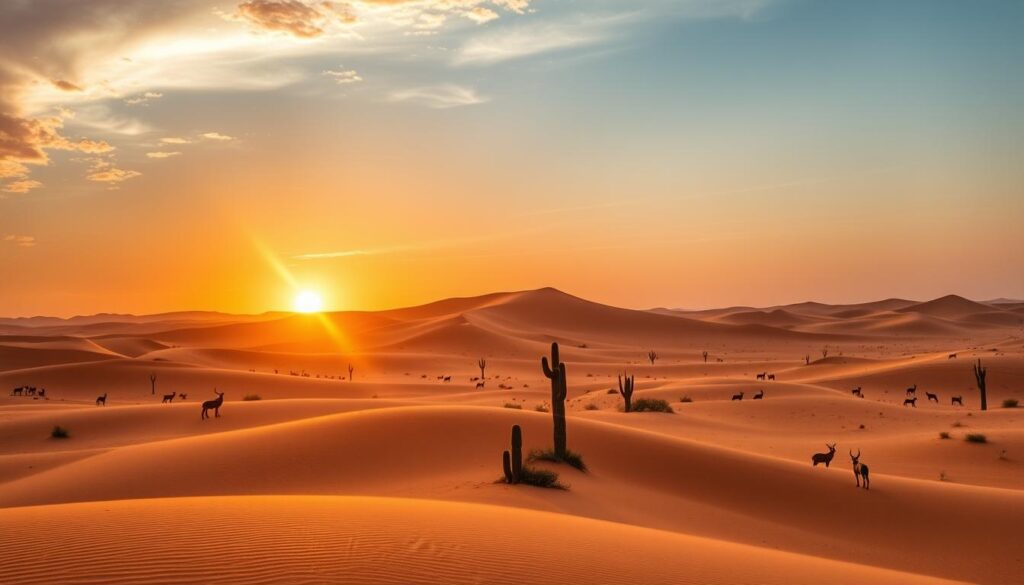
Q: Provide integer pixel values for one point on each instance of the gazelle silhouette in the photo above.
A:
(101, 400)
(860, 470)
(912, 389)
(856, 392)
(911, 402)
(932, 397)
(170, 397)
(771, 376)
(738, 396)
(825, 458)
(759, 395)
(957, 400)
(213, 404)
(762, 375)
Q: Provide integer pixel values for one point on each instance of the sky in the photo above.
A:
(224, 156)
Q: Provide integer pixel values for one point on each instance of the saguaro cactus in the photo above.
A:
(152, 383)
(351, 369)
(652, 355)
(627, 392)
(482, 364)
(979, 377)
(705, 354)
(556, 373)
(512, 461)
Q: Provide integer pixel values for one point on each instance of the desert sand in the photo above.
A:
(395, 476)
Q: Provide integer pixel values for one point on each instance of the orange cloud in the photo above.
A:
(21, 186)
(21, 241)
(65, 85)
(301, 19)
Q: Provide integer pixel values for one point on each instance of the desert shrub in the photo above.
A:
(251, 397)
(1010, 403)
(976, 438)
(612, 391)
(541, 408)
(652, 405)
(59, 432)
(540, 478)
(572, 459)
(590, 406)
(957, 424)
(685, 399)
(943, 435)
(515, 406)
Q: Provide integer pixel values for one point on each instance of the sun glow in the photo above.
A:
(308, 301)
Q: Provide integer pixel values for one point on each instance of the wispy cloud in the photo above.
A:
(162, 154)
(343, 76)
(217, 136)
(516, 42)
(20, 241)
(439, 96)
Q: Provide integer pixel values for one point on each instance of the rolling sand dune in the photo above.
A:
(391, 477)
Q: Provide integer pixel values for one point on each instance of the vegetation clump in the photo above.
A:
(943, 435)
(652, 405)
(975, 438)
(514, 406)
(251, 397)
(516, 472)
(59, 432)
(1010, 403)
(570, 458)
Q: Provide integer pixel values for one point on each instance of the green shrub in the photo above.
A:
(59, 432)
(652, 405)
(1010, 403)
(251, 397)
(976, 438)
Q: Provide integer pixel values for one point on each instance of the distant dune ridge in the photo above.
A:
(393, 476)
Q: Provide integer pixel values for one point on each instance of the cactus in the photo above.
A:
(705, 354)
(979, 377)
(556, 373)
(627, 392)
(152, 383)
(351, 369)
(482, 364)
(652, 355)
(512, 462)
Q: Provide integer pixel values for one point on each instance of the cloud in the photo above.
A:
(296, 17)
(175, 140)
(439, 96)
(343, 76)
(21, 186)
(65, 85)
(543, 37)
(217, 136)
(27, 139)
(480, 15)
(20, 241)
(162, 154)
(144, 98)
(104, 171)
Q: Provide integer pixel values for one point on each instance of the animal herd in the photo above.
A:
(765, 376)
(208, 405)
(29, 391)
(860, 470)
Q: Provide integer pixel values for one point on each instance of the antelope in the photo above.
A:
(771, 376)
(42, 393)
(738, 396)
(825, 458)
(856, 392)
(860, 470)
(214, 404)
(759, 395)
(957, 400)
(933, 397)
(952, 356)
(101, 400)
(17, 391)
(31, 391)
(762, 375)
(183, 396)
(480, 384)
(169, 397)
(447, 379)
(912, 389)
(911, 402)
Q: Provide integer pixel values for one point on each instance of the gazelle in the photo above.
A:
(932, 397)
(738, 396)
(480, 384)
(912, 389)
(825, 458)
(771, 376)
(213, 404)
(860, 470)
(759, 395)
(957, 400)
(762, 375)
(101, 400)
(170, 397)
(856, 392)
(911, 402)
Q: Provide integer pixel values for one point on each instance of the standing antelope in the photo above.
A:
(957, 400)
(214, 404)
(911, 402)
(952, 356)
(825, 458)
(738, 396)
(17, 391)
(912, 389)
(933, 397)
(759, 395)
(170, 397)
(480, 384)
(762, 375)
(101, 400)
(860, 470)
(771, 376)
(856, 392)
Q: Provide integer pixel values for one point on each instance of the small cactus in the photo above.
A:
(627, 393)
(482, 364)
(512, 462)
(351, 369)
(979, 377)
(652, 355)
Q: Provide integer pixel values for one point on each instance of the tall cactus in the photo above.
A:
(652, 355)
(556, 373)
(979, 377)
(627, 392)
(512, 461)
(482, 364)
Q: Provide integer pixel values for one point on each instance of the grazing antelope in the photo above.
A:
(183, 396)
(933, 397)
(957, 400)
(912, 389)
(170, 397)
(825, 458)
(762, 375)
(911, 402)
(101, 400)
(771, 376)
(738, 396)
(214, 404)
(447, 379)
(860, 470)
(42, 392)
(17, 391)
(952, 356)
(759, 395)
(479, 384)
(856, 392)
(31, 391)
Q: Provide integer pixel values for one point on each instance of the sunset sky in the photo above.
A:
(175, 155)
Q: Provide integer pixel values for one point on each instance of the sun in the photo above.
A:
(308, 301)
